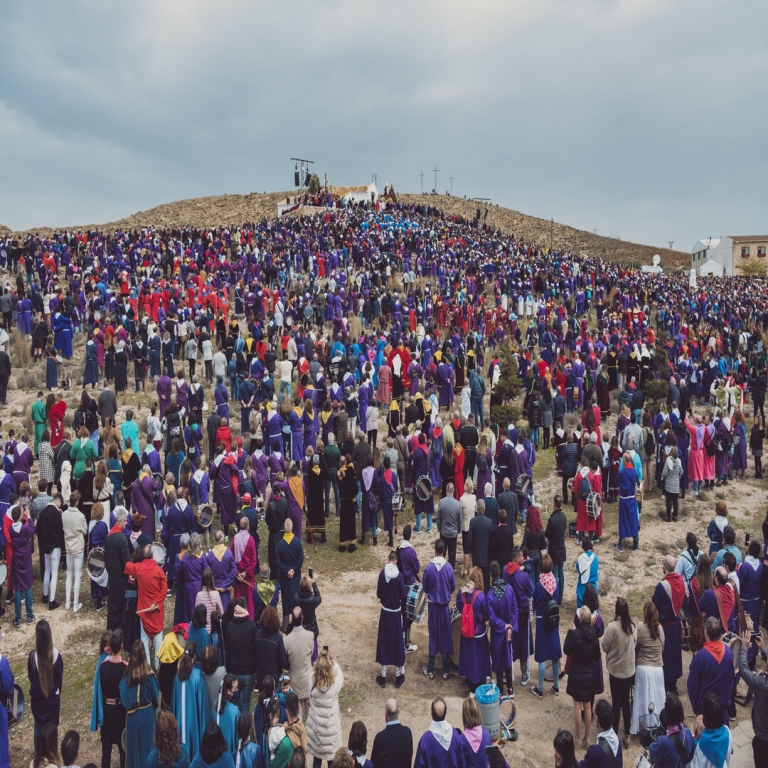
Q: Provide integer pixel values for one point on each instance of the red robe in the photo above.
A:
(247, 565)
(56, 418)
(458, 471)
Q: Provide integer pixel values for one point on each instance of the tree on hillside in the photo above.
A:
(314, 184)
(508, 387)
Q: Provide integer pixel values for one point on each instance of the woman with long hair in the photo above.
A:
(189, 701)
(701, 600)
(46, 747)
(324, 719)
(248, 754)
(474, 653)
(649, 672)
(227, 712)
(110, 435)
(112, 720)
(138, 693)
(534, 540)
(209, 597)
(474, 739)
(213, 749)
(619, 648)
(169, 752)
(97, 705)
(197, 631)
(565, 750)
(115, 471)
(45, 668)
(103, 488)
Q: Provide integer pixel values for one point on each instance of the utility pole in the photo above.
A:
(422, 182)
(671, 243)
(450, 178)
(435, 172)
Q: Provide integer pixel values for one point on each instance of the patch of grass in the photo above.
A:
(20, 349)
(703, 496)
(349, 699)
(636, 600)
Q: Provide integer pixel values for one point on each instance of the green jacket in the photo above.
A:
(331, 456)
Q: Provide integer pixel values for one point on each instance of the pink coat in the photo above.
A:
(695, 454)
(384, 390)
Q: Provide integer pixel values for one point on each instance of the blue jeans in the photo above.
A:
(418, 523)
(557, 570)
(244, 689)
(28, 599)
(535, 436)
(431, 663)
(476, 407)
(285, 386)
(555, 674)
(331, 481)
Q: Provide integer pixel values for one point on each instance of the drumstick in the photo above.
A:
(152, 607)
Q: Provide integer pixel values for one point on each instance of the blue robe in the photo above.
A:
(547, 641)
(431, 754)
(474, 655)
(228, 724)
(672, 655)
(153, 761)
(225, 761)
(389, 639)
(97, 705)
(98, 538)
(140, 725)
(192, 709)
(501, 611)
(251, 756)
(6, 687)
(199, 637)
(706, 675)
(439, 584)
(628, 520)
(750, 578)
(91, 375)
(522, 584)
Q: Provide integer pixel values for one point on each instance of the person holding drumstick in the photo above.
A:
(150, 604)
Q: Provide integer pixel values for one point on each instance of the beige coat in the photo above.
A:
(324, 721)
(299, 645)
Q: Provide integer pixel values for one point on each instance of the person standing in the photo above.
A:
(246, 559)
(619, 647)
(116, 554)
(449, 522)
(6, 691)
(50, 539)
(152, 588)
(20, 533)
(111, 672)
(299, 647)
(711, 670)
(668, 599)
(439, 583)
(45, 668)
(474, 656)
(440, 745)
(138, 694)
(408, 563)
(391, 591)
(239, 643)
(393, 746)
(481, 530)
(290, 558)
(502, 617)
(348, 490)
(39, 419)
(324, 719)
(221, 561)
(75, 531)
(5, 375)
(557, 525)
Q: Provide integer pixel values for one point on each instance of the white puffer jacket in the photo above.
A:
(324, 719)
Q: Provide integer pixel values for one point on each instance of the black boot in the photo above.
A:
(391, 542)
(375, 542)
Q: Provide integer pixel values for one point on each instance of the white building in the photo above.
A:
(712, 251)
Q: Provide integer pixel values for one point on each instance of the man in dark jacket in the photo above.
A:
(502, 541)
(557, 525)
(275, 517)
(107, 404)
(508, 502)
(558, 407)
(469, 437)
(5, 374)
(757, 386)
(116, 555)
(570, 465)
(239, 645)
(212, 427)
(50, 539)
(479, 542)
(393, 747)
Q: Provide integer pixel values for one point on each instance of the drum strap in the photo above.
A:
(680, 749)
(606, 747)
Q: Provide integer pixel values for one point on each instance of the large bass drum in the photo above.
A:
(456, 635)
(594, 505)
(97, 566)
(423, 488)
(204, 515)
(16, 706)
(733, 641)
(416, 602)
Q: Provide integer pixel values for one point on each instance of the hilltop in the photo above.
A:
(236, 209)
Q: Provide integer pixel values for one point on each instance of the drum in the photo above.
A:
(572, 532)
(523, 485)
(456, 635)
(3, 573)
(416, 602)
(424, 488)
(398, 503)
(594, 505)
(204, 515)
(96, 563)
(16, 706)
(158, 553)
(643, 762)
(733, 641)
(549, 674)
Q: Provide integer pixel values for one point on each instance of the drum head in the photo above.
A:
(3, 573)
(205, 515)
(96, 562)
(158, 553)
(424, 488)
(16, 706)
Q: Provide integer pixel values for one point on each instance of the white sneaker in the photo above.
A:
(77, 607)
(67, 605)
(411, 648)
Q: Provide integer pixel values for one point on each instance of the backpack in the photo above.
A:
(725, 442)
(711, 447)
(434, 449)
(481, 462)
(78, 421)
(650, 443)
(584, 489)
(551, 615)
(468, 617)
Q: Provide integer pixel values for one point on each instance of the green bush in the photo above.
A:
(501, 414)
(314, 184)
(657, 390)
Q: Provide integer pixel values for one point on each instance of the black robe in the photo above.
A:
(348, 517)
(117, 553)
(121, 371)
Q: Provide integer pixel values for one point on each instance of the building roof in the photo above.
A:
(704, 243)
(748, 238)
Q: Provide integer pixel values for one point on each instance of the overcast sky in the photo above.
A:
(643, 118)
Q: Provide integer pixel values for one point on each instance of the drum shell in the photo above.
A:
(416, 603)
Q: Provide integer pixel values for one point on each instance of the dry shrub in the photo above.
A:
(20, 350)
(27, 379)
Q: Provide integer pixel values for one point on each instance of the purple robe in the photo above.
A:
(389, 642)
(22, 573)
(276, 463)
(227, 498)
(522, 584)
(439, 584)
(430, 753)
(182, 392)
(409, 564)
(222, 562)
(750, 577)
(260, 473)
(164, 388)
(474, 656)
(501, 611)
(142, 494)
(23, 459)
(152, 457)
(190, 571)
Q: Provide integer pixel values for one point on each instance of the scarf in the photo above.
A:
(296, 487)
(677, 591)
(266, 590)
(549, 582)
(390, 572)
(169, 650)
(239, 544)
(288, 538)
(405, 544)
(115, 529)
(499, 587)
(443, 733)
(368, 474)
(716, 648)
(474, 737)
(716, 745)
(438, 562)
(753, 561)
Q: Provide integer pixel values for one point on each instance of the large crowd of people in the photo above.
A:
(357, 364)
